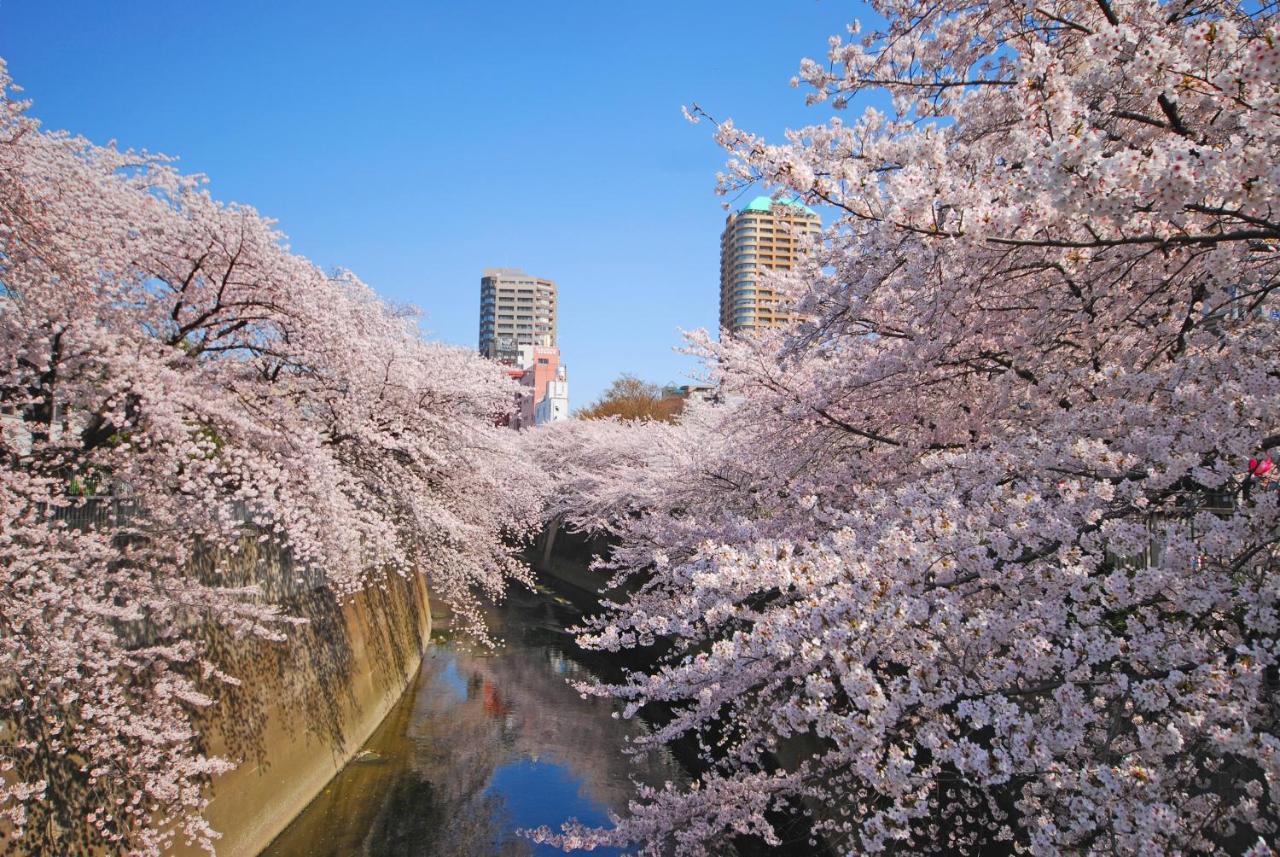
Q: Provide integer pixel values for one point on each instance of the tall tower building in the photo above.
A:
(762, 235)
(515, 309)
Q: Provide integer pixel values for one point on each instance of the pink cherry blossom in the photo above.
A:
(967, 560)
(173, 384)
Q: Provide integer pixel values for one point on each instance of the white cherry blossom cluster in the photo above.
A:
(175, 385)
(978, 555)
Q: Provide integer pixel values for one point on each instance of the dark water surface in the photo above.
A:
(482, 745)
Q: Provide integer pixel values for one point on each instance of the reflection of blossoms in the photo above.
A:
(472, 715)
(523, 689)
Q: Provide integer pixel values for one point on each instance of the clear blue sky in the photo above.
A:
(418, 143)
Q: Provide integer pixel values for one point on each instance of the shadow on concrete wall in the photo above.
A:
(305, 705)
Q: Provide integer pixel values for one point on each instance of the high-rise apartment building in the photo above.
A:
(763, 235)
(515, 309)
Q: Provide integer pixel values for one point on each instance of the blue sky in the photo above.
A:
(418, 143)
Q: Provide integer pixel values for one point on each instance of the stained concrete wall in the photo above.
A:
(304, 707)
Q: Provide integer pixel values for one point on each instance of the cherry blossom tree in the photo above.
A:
(978, 554)
(175, 383)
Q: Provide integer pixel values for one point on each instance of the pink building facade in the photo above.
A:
(541, 367)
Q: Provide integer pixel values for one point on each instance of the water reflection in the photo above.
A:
(483, 745)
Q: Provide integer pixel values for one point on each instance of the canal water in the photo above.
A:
(484, 744)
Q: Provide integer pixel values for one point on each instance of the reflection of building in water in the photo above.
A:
(530, 705)
(493, 704)
(484, 745)
(560, 663)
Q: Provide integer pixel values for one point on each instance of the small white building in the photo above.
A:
(554, 404)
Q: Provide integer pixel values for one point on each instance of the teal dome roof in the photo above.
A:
(765, 203)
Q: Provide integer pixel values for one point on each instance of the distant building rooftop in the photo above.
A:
(765, 203)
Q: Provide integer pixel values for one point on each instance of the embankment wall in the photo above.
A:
(305, 706)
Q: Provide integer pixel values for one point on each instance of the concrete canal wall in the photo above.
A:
(305, 706)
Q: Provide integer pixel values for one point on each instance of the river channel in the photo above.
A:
(484, 744)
